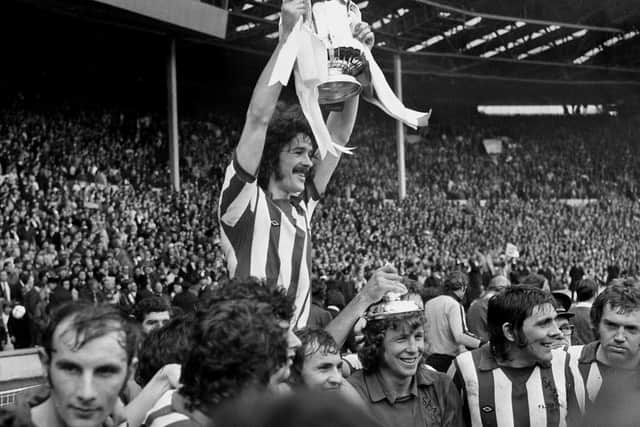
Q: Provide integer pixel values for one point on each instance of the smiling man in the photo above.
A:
(274, 182)
(518, 379)
(87, 357)
(317, 363)
(609, 367)
(399, 389)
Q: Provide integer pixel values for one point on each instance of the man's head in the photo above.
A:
(456, 284)
(393, 346)
(281, 307)
(522, 325)
(237, 345)
(498, 284)
(317, 363)
(287, 158)
(152, 313)
(615, 315)
(586, 290)
(87, 357)
(165, 345)
(563, 304)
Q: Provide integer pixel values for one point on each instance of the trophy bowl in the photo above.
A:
(344, 64)
(393, 306)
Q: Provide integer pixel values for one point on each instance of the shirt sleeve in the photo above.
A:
(458, 325)
(239, 192)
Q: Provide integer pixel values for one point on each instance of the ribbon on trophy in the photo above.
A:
(306, 53)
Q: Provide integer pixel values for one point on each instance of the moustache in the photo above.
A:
(302, 169)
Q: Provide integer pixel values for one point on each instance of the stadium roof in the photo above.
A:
(457, 51)
(539, 49)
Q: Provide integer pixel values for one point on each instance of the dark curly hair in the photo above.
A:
(253, 289)
(312, 340)
(153, 304)
(287, 122)
(238, 345)
(512, 306)
(165, 345)
(623, 298)
(371, 352)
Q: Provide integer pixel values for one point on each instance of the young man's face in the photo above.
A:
(620, 337)
(322, 370)
(403, 349)
(540, 332)
(85, 382)
(155, 320)
(294, 164)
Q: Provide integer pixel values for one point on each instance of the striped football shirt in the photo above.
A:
(163, 414)
(266, 238)
(535, 396)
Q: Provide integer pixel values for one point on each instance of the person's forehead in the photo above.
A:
(321, 357)
(541, 311)
(617, 315)
(404, 329)
(300, 140)
(104, 349)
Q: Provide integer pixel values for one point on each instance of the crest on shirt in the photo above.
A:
(487, 409)
(275, 223)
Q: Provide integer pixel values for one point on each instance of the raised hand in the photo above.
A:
(291, 12)
(363, 33)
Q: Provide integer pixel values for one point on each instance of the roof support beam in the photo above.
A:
(515, 18)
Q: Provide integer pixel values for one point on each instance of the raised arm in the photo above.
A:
(340, 124)
(385, 279)
(264, 97)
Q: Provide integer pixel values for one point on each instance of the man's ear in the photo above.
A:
(133, 368)
(44, 360)
(509, 332)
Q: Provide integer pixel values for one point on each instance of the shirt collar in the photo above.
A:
(378, 392)
(588, 354)
(488, 362)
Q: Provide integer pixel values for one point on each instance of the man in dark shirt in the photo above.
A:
(585, 295)
(187, 301)
(398, 387)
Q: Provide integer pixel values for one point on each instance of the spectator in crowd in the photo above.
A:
(317, 363)
(447, 332)
(585, 296)
(272, 164)
(563, 319)
(395, 385)
(87, 358)
(187, 300)
(517, 377)
(152, 313)
(319, 316)
(477, 313)
(6, 340)
(608, 367)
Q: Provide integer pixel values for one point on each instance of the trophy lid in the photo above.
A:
(393, 305)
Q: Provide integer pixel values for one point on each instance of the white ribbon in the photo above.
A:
(304, 50)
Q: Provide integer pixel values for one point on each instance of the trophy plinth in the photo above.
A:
(392, 306)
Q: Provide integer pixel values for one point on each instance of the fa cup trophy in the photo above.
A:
(326, 59)
(332, 22)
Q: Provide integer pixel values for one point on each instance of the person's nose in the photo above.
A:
(86, 390)
(292, 340)
(619, 336)
(335, 377)
(555, 331)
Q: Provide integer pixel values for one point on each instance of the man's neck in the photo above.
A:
(45, 415)
(398, 386)
(516, 359)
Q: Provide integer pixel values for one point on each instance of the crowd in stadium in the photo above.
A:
(141, 300)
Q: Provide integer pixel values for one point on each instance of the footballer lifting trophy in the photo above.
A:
(325, 59)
